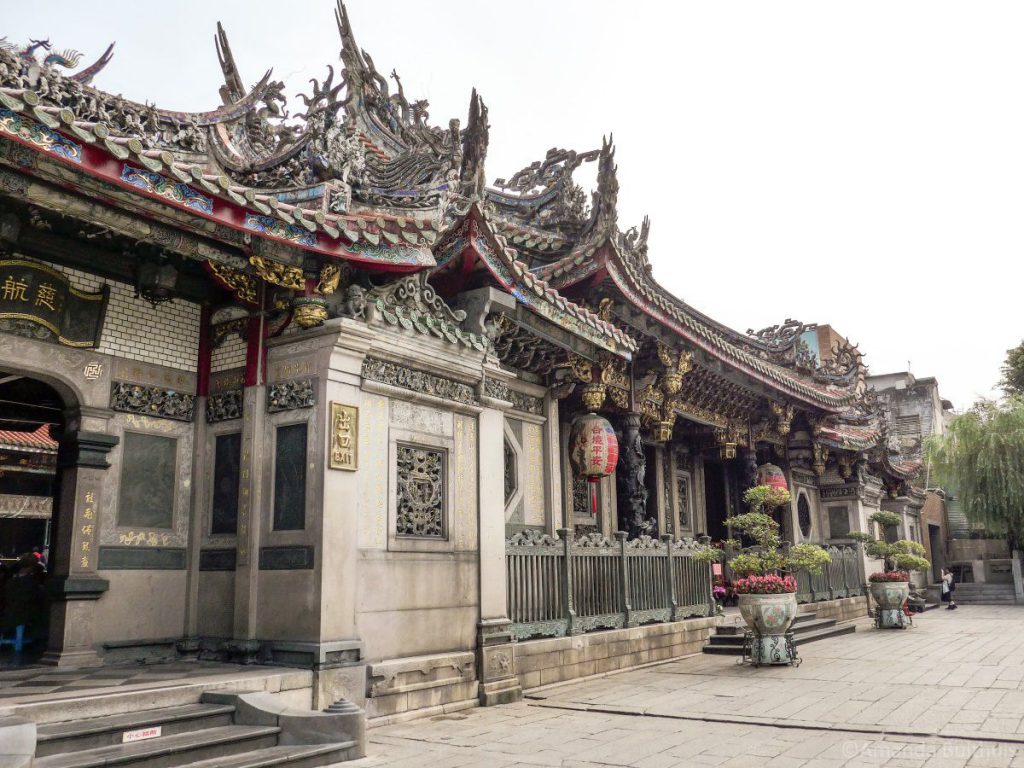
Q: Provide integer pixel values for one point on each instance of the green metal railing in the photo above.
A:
(560, 585)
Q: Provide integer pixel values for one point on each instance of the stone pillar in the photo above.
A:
(250, 518)
(558, 516)
(81, 461)
(631, 492)
(496, 657)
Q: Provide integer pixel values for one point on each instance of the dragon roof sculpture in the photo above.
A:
(355, 170)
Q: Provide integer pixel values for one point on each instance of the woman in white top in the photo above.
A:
(948, 587)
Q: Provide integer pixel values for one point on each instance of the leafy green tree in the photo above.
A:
(981, 456)
(759, 525)
(1013, 372)
(902, 555)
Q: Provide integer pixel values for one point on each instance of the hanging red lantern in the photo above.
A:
(593, 451)
(772, 476)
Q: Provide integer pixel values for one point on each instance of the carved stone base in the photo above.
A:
(500, 692)
(73, 659)
(499, 683)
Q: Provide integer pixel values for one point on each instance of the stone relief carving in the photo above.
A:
(421, 491)
(224, 406)
(528, 403)
(497, 389)
(151, 401)
(289, 395)
(417, 381)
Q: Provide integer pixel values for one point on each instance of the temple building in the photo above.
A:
(314, 381)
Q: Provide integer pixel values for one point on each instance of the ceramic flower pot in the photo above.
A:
(889, 596)
(769, 618)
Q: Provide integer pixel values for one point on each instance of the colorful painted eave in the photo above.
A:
(849, 437)
(514, 276)
(394, 243)
(651, 299)
(35, 442)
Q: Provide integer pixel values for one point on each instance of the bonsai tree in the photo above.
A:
(898, 557)
(758, 524)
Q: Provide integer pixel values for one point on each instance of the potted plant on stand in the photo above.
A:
(764, 583)
(890, 587)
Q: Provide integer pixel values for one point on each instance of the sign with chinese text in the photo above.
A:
(37, 294)
(344, 436)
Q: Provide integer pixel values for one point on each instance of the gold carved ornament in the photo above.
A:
(783, 417)
(593, 396)
(676, 365)
(241, 284)
(278, 274)
(330, 278)
(820, 459)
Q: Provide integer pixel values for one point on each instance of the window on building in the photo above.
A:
(803, 515)
(908, 431)
(226, 471)
(682, 465)
(683, 496)
(421, 491)
(148, 482)
(290, 478)
(838, 522)
(511, 472)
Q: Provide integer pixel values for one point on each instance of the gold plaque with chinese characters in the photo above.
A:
(344, 437)
(35, 293)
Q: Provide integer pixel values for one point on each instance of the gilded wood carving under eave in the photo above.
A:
(278, 274)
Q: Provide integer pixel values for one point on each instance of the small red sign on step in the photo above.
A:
(141, 734)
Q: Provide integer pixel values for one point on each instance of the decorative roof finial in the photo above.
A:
(474, 148)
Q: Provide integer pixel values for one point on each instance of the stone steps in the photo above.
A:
(94, 732)
(984, 594)
(223, 730)
(167, 751)
(807, 628)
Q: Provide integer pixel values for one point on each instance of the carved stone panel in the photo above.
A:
(421, 473)
(289, 395)
(151, 401)
(417, 381)
(224, 406)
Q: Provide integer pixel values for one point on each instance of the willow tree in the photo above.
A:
(981, 457)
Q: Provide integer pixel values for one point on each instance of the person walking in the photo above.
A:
(948, 588)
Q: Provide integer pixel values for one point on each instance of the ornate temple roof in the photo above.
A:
(356, 172)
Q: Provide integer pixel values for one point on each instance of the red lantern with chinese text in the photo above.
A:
(593, 451)
(772, 476)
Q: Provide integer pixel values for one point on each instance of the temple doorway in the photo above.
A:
(717, 499)
(31, 418)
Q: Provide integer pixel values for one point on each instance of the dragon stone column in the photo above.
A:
(631, 489)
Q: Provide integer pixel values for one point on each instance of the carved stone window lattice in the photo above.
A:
(421, 491)
(511, 472)
(803, 513)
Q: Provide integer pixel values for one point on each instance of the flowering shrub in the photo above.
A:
(769, 584)
(889, 576)
(719, 593)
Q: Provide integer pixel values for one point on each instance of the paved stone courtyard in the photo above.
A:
(948, 692)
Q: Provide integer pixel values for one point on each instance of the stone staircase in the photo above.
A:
(222, 730)
(982, 593)
(728, 638)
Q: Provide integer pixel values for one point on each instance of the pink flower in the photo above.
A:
(769, 584)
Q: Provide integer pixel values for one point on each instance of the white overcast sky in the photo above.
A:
(852, 163)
